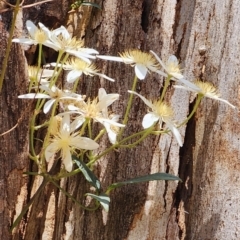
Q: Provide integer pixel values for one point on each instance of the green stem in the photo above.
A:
(199, 98)
(166, 84)
(129, 105)
(9, 44)
(73, 199)
(39, 66)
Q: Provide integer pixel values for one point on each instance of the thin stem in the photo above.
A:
(9, 44)
(73, 199)
(199, 98)
(129, 105)
(166, 84)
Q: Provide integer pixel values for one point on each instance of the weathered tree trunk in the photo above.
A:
(205, 36)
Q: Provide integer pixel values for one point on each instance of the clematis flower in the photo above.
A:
(96, 110)
(78, 67)
(172, 68)
(62, 41)
(36, 36)
(160, 112)
(142, 62)
(205, 89)
(54, 94)
(67, 141)
(39, 76)
(112, 127)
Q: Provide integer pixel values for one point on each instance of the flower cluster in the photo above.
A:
(72, 115)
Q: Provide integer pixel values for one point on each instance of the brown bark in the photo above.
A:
(205, 36)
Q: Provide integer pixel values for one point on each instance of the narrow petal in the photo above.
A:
(107, 100)
(34, 95)
(141, 71)
(105, 76)
(77, 123)
(101, 93)
(222, 100)
(84, 143)
(73, 76)
(147, 102)
(191, 85)
(24, 41)
(149, 119)
(110, 58)
(31, 27)
(175, 132)
(67, 160)
(48, 105)
(50, 151)
(159, 60)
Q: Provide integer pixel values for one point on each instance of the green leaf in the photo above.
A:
(102, 198)
(91, 4)
(146, 178)
(88, 174)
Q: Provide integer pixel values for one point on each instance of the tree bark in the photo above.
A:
(205, 36)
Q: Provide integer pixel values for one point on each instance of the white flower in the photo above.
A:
(54, 94)
(111, 127)
(142, 62)
(78, 67)
(97, 110)
(172, 69)
(39, 76)
(205, 89)
(160, 112)
(62, 41)
(36, 35)
(66, 141)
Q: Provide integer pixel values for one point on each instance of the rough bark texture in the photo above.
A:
(205, 36)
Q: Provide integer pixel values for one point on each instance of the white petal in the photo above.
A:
(31, 27)
(45, 29)
(222, 100)
(101, 93)
(110, 58)
(77, 123)
(110, 121)
(89, 50)
(105, 76)
(107, 100)
(161, 73)
(72, 108)
(191, 85)
(73, 76)
(149, 119)
(48, 105)
(147, 102)
(175, 132)
(141, 71)
(34, 95)
(159, 60)
(85, 143)
(67, 160)
(50, 151)
(26, 41)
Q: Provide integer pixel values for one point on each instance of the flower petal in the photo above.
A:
(149, 119)
(67, 160)
(32, 28)
(34, 95)
(147, 102)
(48, 105)
(84, 143)
(110, 58)
(141, 71)
(175, 132)
(73, 76)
